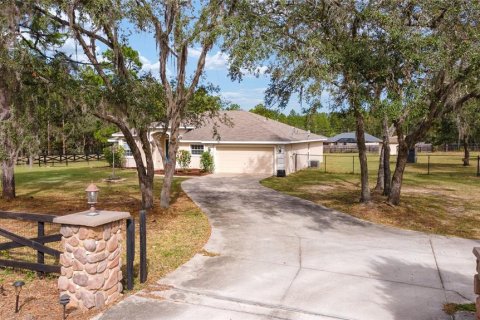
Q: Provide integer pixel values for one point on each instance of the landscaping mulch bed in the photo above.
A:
(185, 173)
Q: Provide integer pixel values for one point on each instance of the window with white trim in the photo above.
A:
(128, 152)
(196, 149)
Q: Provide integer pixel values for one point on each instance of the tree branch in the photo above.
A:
(75, 26)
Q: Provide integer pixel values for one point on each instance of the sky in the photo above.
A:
(247, 93)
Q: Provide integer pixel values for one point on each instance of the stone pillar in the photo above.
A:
(92, 258)
(476, 281)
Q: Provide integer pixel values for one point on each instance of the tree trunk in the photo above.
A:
(394, 196)
(148, 181)
(169, 164)
(362, 153)
(145, 177)
(49, 145)
(386, 158)
(466, 157)
(381, 171)
(64, 138)
(167, 184)
(397, 180)
(8, 179)
(146, 188)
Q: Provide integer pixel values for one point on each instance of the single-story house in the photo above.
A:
(393, 143)
(247, 143)
(347, 141)
(420, 147)
(350, 138)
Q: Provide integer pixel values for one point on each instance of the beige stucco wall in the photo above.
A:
(195, 159)
(393, 149)
(265, 162)
(305, 152)
(157, 158)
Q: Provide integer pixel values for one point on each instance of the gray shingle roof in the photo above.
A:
(351, 137)
(249, 126)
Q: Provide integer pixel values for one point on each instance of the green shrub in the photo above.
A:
(119, 156)
(183, 159)
(206, 162)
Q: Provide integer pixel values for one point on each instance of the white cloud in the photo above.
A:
(74, 50)
(246, 98)
(153, 68)
(219, 61)
(259, 71)
(215, 61)
(148, 66)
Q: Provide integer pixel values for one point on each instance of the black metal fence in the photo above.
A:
(456, 147)
(433, 163)
(349, 148)
(51, 160)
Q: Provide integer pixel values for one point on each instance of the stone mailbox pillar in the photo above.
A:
(91, 258)
(476, 281)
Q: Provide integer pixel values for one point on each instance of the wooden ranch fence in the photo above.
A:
(19, 233)
(36, 243)
(62, 159)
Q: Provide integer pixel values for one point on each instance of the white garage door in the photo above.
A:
(244, 159)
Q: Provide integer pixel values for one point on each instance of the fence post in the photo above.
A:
(130, 251)
(478, 166)
(325, 163)
(39, 162)
(296, 155)
(66, 160)
(40, 255)
(428, 165)
(353, 162)
(143, 246)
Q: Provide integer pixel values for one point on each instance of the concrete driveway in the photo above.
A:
(279, 257)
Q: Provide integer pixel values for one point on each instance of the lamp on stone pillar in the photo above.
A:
(92, 197)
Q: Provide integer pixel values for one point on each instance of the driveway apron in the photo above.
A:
(273, 256)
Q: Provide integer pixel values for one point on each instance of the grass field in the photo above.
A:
(173, 236)
(443, 202)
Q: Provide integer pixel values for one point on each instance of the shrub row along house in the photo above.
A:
(247, 143)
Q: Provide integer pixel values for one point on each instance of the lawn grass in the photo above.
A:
(451, 308)
(173, 235)
(443, 202)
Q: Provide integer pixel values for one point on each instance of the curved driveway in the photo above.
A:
(273, 256)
